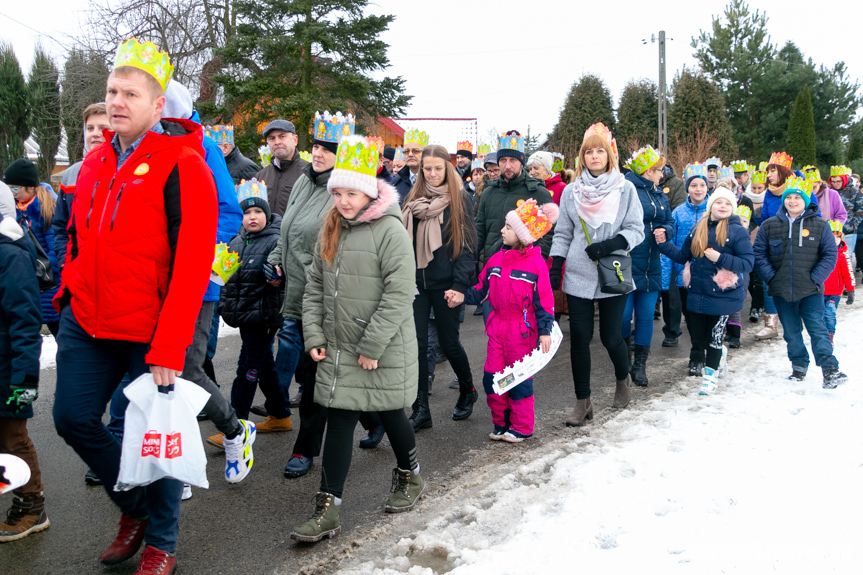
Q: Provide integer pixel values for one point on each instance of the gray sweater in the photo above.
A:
(582, 278)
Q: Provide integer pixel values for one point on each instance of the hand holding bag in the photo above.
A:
(615, 271)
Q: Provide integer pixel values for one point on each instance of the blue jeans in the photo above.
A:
(769, 304)
(214, 334)
(89, 370)
(643, 303)
(289, 354)
(808, 311)
(830, 304)
(851, 242)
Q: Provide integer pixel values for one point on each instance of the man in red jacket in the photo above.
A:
(141, 236)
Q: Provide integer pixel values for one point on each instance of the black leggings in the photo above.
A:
(339, 444)
(581, 312)
(447, 322)
(708, 331)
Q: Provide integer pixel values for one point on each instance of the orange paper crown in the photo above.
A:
(530, 222)
(781, 159)
(467, 146)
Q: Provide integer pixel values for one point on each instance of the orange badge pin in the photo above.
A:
(142, 169)
(805, 233)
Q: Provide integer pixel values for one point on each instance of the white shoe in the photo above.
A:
(708, 386)
(187, 492)
(238, 453)
(723, 363)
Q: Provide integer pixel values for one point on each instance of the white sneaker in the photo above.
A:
(238, 453)
(187, 492)
(708, 386)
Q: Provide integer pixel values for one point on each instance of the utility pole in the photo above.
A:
(663, 109)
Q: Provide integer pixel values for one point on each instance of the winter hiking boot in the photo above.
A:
(23, 518)
(421, 415)
(583, 410)
(639, 365)
(376, 434)
(407, 488)
(324, 522)
(238, 453)
(464, 405)
(732, 336)
(156, 562)
(755, 314)
(696, 368)
(217, 440)
(797, 374)
(669, 341)
(128, 540)
(770, 330)
(621, 393)
(298, 465)
(708, 386)
(832, 378)
(271, 424)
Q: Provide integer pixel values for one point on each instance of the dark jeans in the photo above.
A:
(88, 372)
(641, 304)
(697, 349)
(671, 309)
(447, 320)
(808, 311)
(340, 443)
(257, 367)
(708, 331)
(290, 353)
(15, 440)
(581, 312)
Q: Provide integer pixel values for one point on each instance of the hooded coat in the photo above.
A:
(646, 267)
(685, 217)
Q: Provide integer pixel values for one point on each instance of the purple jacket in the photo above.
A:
(831, 204)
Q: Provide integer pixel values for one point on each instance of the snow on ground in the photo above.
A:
(763, 477)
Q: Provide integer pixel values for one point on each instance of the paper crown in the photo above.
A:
(484, 149)
(416, 137)
(221, 134)
(476, 165)
(835, 226)
(713, 162)
(781, 159)
(466, 146)
(557, 164)
(307, 156)
(744, 212)
(225, 264)
(146, 57)
(266, 155)
(399, 154)
(796, 183)
(813, 174)
(531, 222)
(695, 170)
(378, 143)
(251, 189)
(726, 172)
(740, 166)
(511, 140)
(840, 171)
(759, 177)
(332, 127)
(643, 159)
(600, 129)
(358, 154)
(762, 166)
(751, 168)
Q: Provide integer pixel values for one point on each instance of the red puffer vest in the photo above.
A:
(141, 242)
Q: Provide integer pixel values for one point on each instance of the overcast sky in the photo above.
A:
(511, 63)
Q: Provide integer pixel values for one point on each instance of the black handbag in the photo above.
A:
(44, 273)
(615, 271)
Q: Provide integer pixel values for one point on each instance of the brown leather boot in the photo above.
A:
(583, 410)
(621, 393)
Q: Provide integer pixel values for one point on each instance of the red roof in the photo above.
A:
(391, 124)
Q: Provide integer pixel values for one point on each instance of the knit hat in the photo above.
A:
(253, 194)
(356, 166)
(799, 186)
(21, 173)
(7, 202)
(530, 222)
(282, 125)
(721, 193)
(511, 145)
(465, 153)
(390, 153)
(178, 101)
(490, 158)
(544, 159)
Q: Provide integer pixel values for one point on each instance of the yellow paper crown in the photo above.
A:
(840, 171)
(484, 149)
(307, 156)
(796, 183)
(226, 263)
(813, 174)
(643, 159)
(744, 212)
(835, 226)
(759, 177)
(762, 166)
(557, 164)
(146, 57)
(781, 159)
(266, 155)
(358, 154)
(740, 165)
(416, 137)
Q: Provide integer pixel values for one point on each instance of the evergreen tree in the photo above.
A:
(289, 59)
(45, 103)
(698, 108)
(14, 108)
(588, 102)
(531, 142)
(637, 117)
(855, 143)
(84, 78)
(801, 130)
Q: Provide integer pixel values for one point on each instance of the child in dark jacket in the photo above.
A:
(795, 253)
(841, 279)
(250, 303)
(719, 254)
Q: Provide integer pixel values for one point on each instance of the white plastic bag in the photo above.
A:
(161, 437)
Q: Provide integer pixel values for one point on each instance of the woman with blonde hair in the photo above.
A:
(438, 215)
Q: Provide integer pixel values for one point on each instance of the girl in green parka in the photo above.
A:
(358, 325)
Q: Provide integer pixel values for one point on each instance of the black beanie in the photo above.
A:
(464, 153)
(507, 153)
(331, 146)
(256, 202)
(389, 153)
(21, 173)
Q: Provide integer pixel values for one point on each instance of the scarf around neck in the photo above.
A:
(756, 198)
(429, 211)
(597, 198)
(776, 190)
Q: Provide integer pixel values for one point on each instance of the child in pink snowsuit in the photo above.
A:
(515, 280)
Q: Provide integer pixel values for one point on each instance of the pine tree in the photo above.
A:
(84, 77)
(14, 108)
(289, 59)
(45, 104)
(637, 117)
(588, 102)
(801, 130)
(698, 109)
(531, 142)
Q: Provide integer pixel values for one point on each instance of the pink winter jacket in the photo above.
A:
(517, 286)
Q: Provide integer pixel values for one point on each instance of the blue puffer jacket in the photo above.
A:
(705, 296)
(32, 216)
(685, 217)
(646, 268)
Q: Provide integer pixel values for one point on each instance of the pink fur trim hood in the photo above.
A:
(387, 196)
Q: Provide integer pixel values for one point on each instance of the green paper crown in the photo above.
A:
(840, 171)
(557, 164)
(744, 212)
(643, 159)
(307, 156)
(146, 57)
(813, 174)
(762, 166)
(266, 155)
(226, 262)
(358, 154)
(759, 177)
(740, 165)
(416, 137)
(484, 149)
(796, 183)
(835, 226)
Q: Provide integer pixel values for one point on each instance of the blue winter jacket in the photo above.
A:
(685, 217)
(32, 217)
(704, 295)
(646, 267)
(772, 204)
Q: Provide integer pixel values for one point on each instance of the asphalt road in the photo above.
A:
(243, 528)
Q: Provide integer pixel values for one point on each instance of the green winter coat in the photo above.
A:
(362, 304)
(301, 226)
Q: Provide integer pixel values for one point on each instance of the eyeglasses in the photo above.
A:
(14, 189)
(413, 151)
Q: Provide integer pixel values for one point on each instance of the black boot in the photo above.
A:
(464, 405)
(639, 365)
(421, 416)
(732, 336)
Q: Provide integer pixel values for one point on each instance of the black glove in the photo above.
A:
(555, 274)
(850, 299)
(20, 396)
(598, 250)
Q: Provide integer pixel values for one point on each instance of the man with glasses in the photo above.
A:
(491, 167)
(415, 143)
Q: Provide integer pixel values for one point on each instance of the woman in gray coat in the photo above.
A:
(609, 207)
